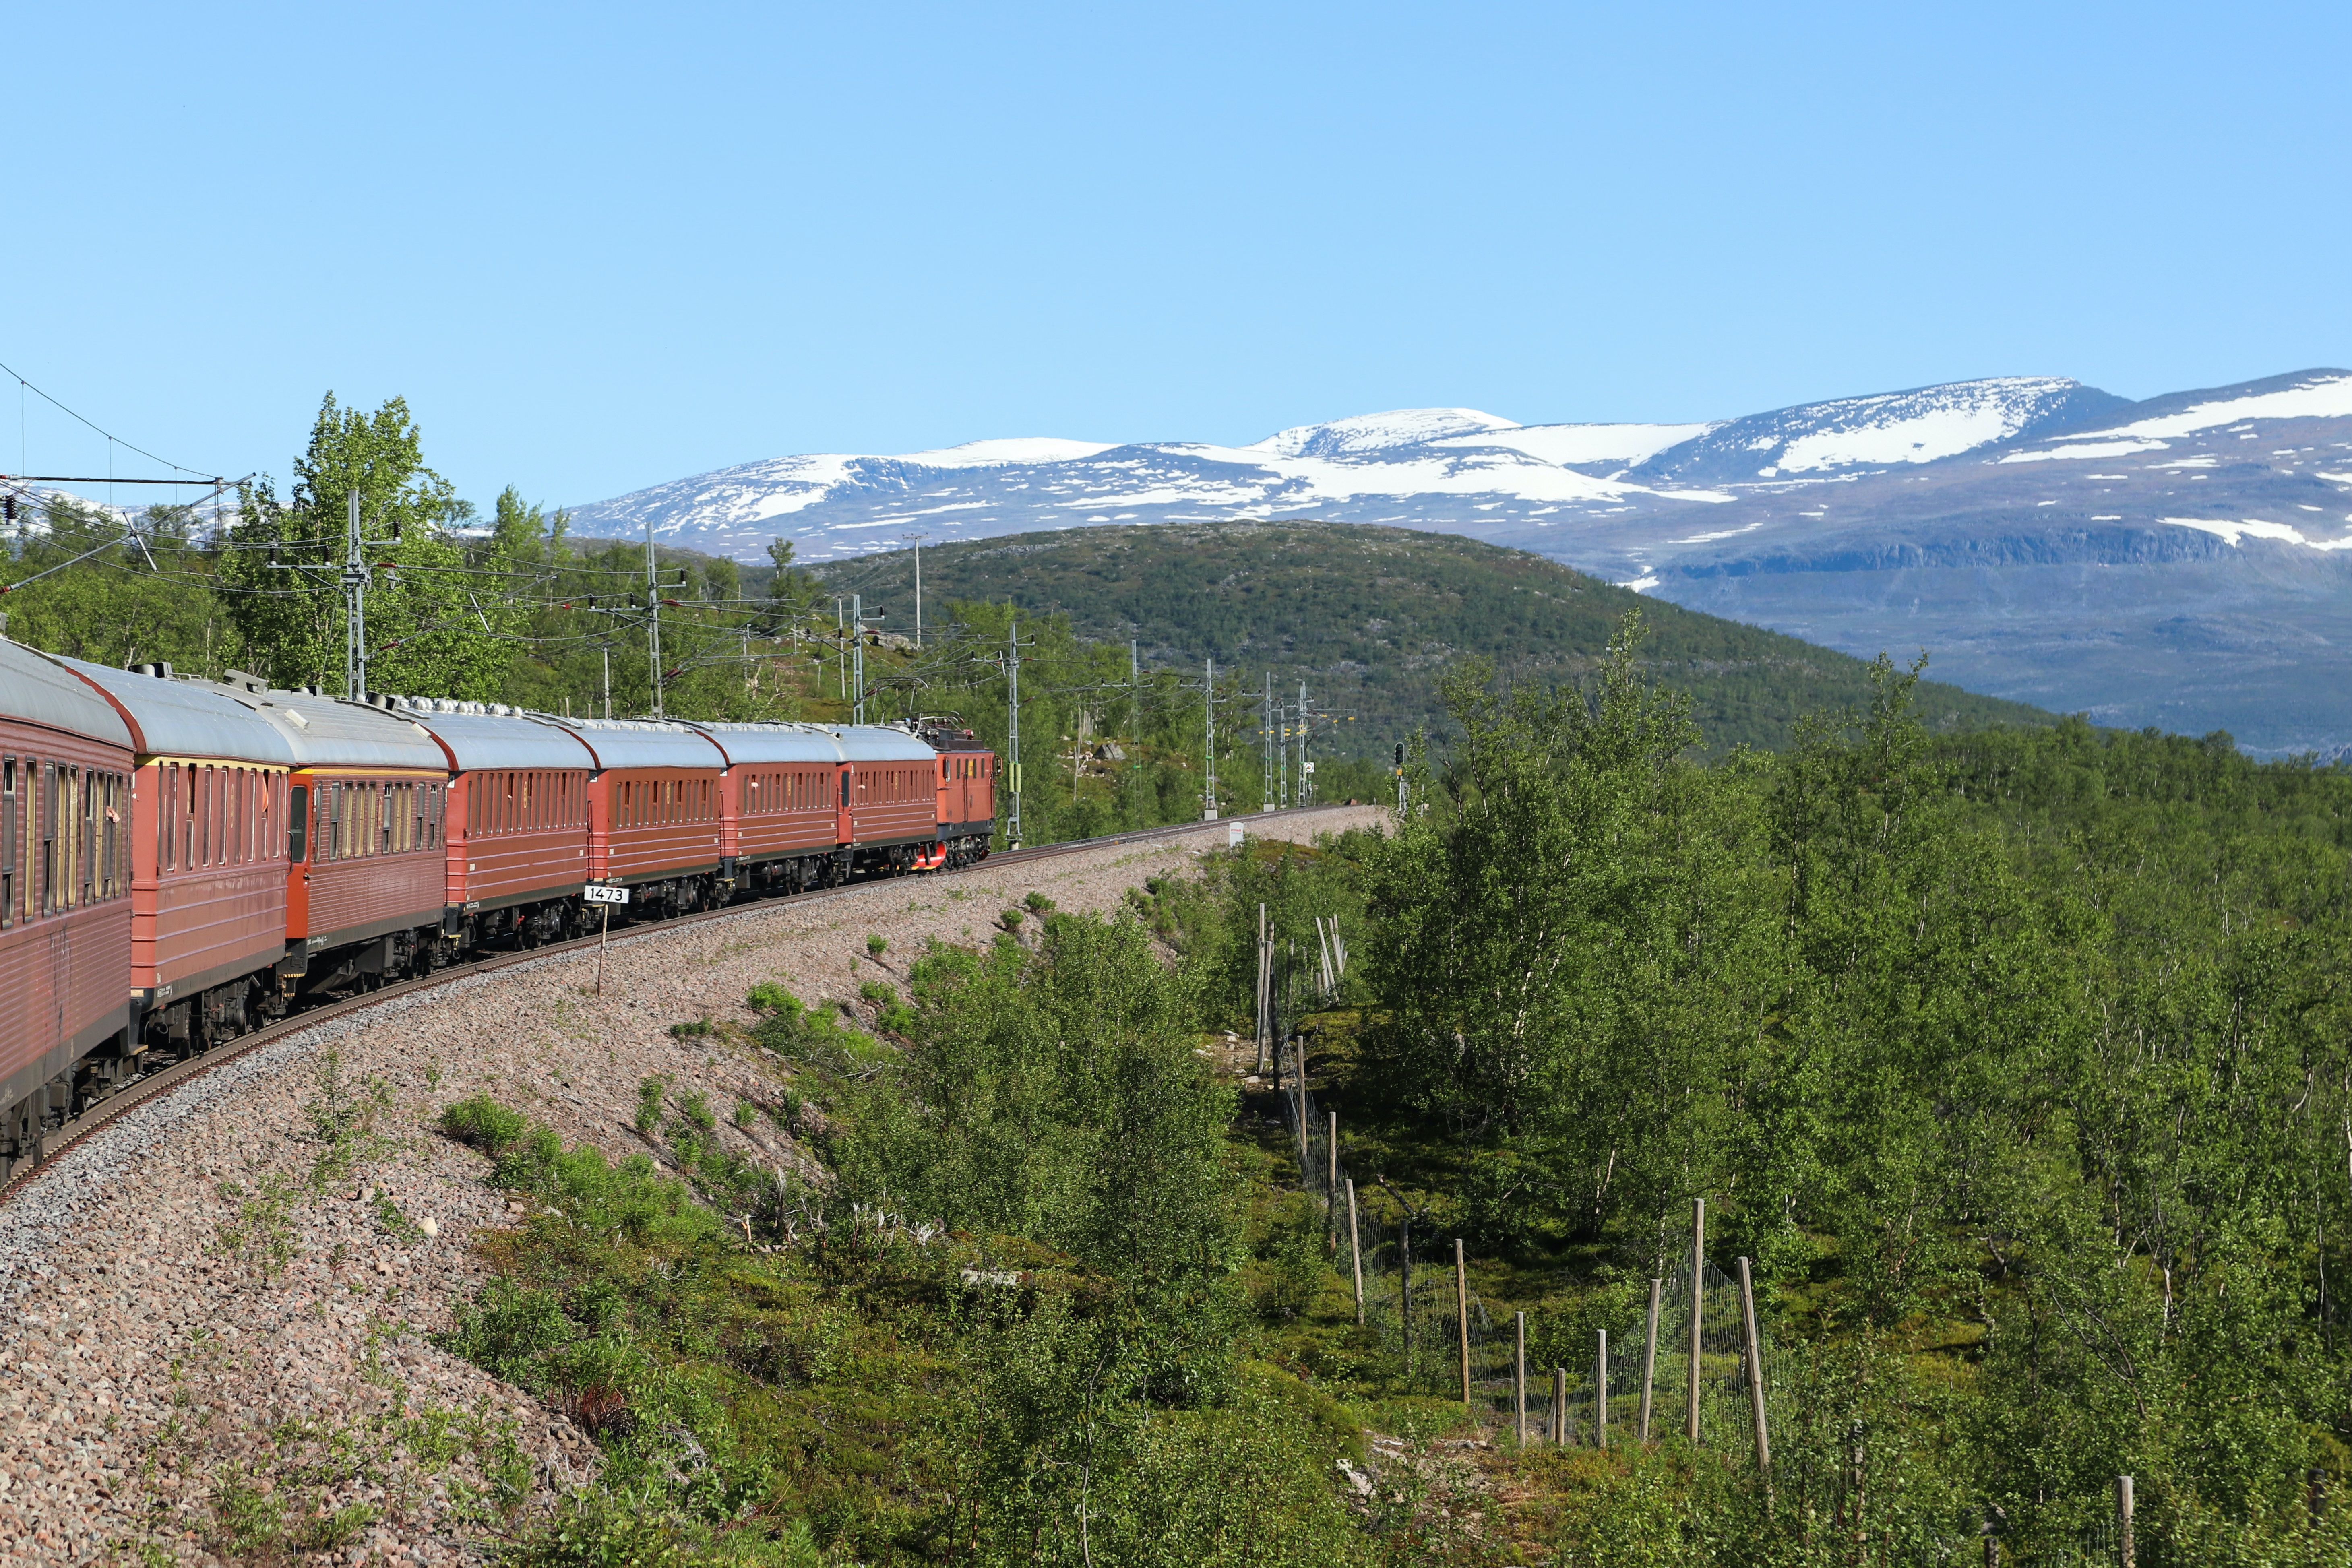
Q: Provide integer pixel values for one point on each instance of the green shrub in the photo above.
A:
(1011, 918)
(876, 945)
(649, 1106)
(746, 1113)
(769, 997)
(696, 1110)
(693, 1031)
(878, 991)
(483, 1123)
(1038, 904)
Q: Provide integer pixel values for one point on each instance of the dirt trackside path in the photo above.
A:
(204, 1336)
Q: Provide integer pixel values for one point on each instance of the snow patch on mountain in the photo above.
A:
(1370, 435)
(1924, 425)
(2237, 530)
(1001, 453)
(1572, 445)
(2327, 396)
(2073, 450)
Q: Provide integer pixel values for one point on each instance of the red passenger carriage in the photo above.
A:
(652, 811)
(208, 863)
(779, 809)
(65, 762)
(517, 827)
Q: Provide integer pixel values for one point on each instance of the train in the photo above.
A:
(184, 860)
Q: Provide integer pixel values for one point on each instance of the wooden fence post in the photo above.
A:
(1519, 1377)
(1600, 1393)
(1462, 1319)
(1699, 1305)
(1755, 1371)
(1560, 1405)
(2126, 1550)
(1650, 1356)
(1356, 1251)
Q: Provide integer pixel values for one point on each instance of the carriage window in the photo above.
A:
(109, 840)
(297, 823)
(8, 824)
(85, 882)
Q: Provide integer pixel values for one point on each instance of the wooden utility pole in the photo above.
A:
(1755, 1369)
(1356, 1251)
(2127, 1549)
(1698, 1304)
(1650, 1357)
(1560, 1405)
(1462, 1319)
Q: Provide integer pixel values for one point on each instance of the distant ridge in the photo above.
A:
(1372, 617)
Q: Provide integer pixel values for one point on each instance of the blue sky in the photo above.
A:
(598, 247)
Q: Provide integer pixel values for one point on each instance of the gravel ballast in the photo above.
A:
(192, 1319)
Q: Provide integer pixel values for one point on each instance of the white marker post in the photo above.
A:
(607, 898)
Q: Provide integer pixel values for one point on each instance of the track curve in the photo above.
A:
(154, 1085)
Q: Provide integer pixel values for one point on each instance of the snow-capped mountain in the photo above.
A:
(2185, 561)
(1917, 427)
(1421, 467)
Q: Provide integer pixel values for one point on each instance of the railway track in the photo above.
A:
(141, 1091)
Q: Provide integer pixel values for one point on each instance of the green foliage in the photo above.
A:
(768, 997)
(693, 1029)
(1036, 903)
(2018, 1061)
(261, 1235)
(89, 588)
(343, 1120)
(874, 945)
(1057, 1098)
(484, 1123)
(1372, 618)
(1054, 1380)
(435, 625)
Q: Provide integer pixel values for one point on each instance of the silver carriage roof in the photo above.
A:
(36, 689)
(645, 743)
(755, 743)
(479, 736)
(186, 719)
(331, 732)
(881, 744)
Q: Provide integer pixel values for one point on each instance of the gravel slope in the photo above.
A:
(185, 1312)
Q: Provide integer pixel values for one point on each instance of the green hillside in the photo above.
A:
(1370, 618)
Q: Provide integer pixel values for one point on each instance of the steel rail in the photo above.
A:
(62, 1141)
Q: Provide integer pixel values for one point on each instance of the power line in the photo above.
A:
(23, 386)
(109, 479)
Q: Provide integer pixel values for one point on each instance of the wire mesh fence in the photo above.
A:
(1444, 1340)
(1679, 1366)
